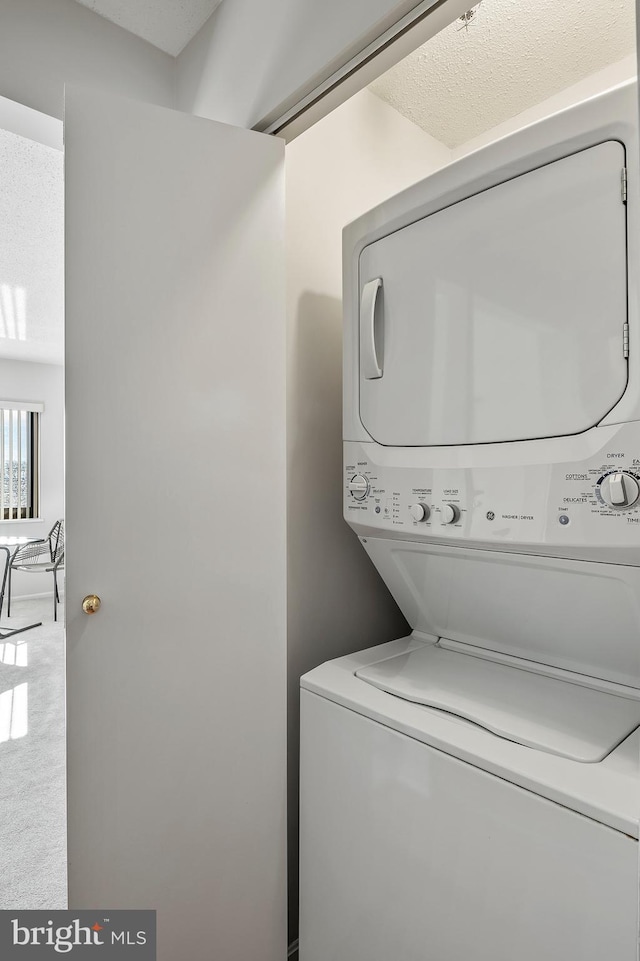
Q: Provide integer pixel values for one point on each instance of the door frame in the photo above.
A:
(395, 43)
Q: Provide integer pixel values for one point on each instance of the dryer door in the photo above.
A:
(501, 317)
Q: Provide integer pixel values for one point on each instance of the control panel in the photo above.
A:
(592, 502)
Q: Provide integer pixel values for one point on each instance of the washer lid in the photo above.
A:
(546, 713)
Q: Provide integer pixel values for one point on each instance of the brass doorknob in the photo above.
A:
(91, 604)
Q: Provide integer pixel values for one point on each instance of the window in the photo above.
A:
(19, 457)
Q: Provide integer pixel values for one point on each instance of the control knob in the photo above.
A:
(450, 513)
(359, 487)
(419, 512)
(620, 490)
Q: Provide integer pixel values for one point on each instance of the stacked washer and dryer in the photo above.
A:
(472, 792)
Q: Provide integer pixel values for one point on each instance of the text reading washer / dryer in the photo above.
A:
(471, 792)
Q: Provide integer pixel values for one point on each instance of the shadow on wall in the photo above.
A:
(337, 602)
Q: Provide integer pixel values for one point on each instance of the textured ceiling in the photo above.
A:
(167, 24)
(31, 250)
(513, 55)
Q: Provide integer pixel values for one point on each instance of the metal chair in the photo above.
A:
(41, 556)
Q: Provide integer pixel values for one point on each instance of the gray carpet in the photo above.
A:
(32, 760)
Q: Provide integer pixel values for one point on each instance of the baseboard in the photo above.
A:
(292, 953)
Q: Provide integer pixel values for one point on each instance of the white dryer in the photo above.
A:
(472, 792)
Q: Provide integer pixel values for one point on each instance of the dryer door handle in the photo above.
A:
(370, 332)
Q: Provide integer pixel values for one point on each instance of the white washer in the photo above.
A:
(473, 791)
(425, 838)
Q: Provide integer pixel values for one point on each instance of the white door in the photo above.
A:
(175, 509)
(501, 318)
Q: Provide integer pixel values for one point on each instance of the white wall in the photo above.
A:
(31, 124)
(253, 56)
(352, 160)
(21, 380)
(590, 86)
(45, 43)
